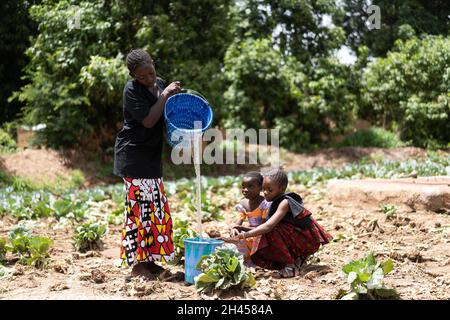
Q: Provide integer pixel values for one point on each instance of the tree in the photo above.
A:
(400, 19)
(281, 72)
(409, 89)
(76, 73)
(16, 28)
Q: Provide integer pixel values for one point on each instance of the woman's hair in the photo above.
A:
(136, 58)
(255, 175)
(279, 176)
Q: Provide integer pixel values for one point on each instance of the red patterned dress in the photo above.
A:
(298, 235)
(147, 230)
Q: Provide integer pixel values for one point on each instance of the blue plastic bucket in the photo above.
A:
(194, 249)
(181, 111)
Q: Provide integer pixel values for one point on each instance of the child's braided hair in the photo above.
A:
(255, 175)
(136, 58)
(279, 176)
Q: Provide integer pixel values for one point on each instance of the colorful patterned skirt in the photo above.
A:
(285, 243)
(147, 229)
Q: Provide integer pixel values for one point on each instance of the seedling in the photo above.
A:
(389, 210)
(365, 277)
(88, 236)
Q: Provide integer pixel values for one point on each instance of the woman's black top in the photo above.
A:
(137, 152)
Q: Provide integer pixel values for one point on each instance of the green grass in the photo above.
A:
(372, 137)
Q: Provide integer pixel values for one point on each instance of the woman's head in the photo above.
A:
(141, 67)
(275, 183)
(252, 184)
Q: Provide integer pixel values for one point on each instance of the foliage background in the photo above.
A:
(260, 63)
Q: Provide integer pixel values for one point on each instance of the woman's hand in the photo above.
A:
(171, 89)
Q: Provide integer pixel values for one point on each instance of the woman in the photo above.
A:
(147, 229)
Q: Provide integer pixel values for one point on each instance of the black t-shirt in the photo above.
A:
(137, 152)
(296, 215)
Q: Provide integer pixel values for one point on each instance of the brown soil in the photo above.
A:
(44, 165)
(417, 242)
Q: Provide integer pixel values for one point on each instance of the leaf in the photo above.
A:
(387, 266)
(376, 281)
(341, 293)
(220, 282)
(363, 277)
(251, 281)
(386, 293)
(352, 277)
(232, 264)
(350, 296)
(371, 259)
(207, 277)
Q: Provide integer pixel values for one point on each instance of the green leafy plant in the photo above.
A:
(38, 248)
(3, 249)
(20, 230)
(116, 217)
(68, 208)
(32, 250)
(365, 277)
(19, 245)
(2, 271)
(88, 236)
(181, 231)
(222, 270)
(7, 143)
(389, 210)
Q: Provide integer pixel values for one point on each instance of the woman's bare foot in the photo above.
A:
(140, 269)
(153, 268)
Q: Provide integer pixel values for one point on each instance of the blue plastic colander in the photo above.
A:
(180, 113)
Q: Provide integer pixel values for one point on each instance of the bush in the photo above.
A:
(3, 249)
(372, 137)
(409, 89)
(61, 93)
(7, 143)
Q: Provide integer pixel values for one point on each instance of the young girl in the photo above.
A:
(289, 235)
(253, 208)
(147, 229)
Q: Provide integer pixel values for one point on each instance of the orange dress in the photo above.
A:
(256, 217)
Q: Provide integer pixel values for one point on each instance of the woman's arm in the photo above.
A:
(157, 109)
(266, 227)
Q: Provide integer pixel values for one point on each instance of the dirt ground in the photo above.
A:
(43, 165)
(417, 242)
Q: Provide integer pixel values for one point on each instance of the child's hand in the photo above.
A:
(234, 232)
(234, 239)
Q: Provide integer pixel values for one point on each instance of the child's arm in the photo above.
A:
(243, 228)
(267, 226)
